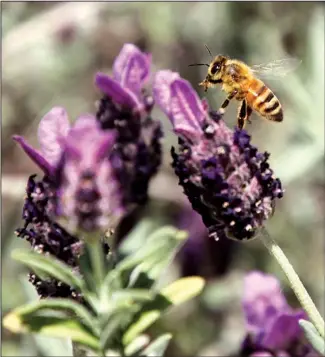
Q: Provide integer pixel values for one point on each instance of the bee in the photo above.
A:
(243, 83)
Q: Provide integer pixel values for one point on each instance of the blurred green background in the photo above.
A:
(51, 52)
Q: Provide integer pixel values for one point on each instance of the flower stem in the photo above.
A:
(97, 260)
(295, 282)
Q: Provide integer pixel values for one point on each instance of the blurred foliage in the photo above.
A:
(51, 51)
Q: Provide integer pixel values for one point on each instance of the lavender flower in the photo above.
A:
(126, 107)
(76, 163)
(224, 177)
(47, 237)
(272, 325)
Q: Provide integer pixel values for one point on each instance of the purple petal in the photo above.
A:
(263, 300)
(284, 331)
(84, 123)
(128, 52)
(54, 124)
(131, 68)
(162, 90)
(35, 155)
(186, 107)
(105, 144)
(114, 90)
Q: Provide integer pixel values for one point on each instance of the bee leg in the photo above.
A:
(249, 112)
(242, 115)
(226, 102)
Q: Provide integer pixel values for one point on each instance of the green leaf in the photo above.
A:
(86, 270)
(139, 279)
(48, 346)
(143, 322)
(109, 332)
(136, 345)
(138, 295)
(59, 305)
(49, 266)
(158, 347)
(167, 238)
(183, 289)
(156, 254)
(54, 326)
(174, 294)
(313, 336)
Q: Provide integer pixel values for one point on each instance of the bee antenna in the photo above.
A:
(198, 64)
(206, 46)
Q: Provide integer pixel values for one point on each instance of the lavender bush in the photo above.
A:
(98, 170)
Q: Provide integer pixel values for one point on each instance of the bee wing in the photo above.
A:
(276, 69)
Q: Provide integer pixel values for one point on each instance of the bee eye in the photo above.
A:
(215, 68)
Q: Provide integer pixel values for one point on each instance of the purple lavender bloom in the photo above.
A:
(224, 177)
(126, 107)
(272, 325)
(76, 162)
(46, 236)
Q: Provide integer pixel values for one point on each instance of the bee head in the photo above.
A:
(215, 70)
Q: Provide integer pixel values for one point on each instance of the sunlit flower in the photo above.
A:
(224, 177)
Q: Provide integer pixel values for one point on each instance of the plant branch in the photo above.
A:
(295, 282)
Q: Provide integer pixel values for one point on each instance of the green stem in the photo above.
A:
(97, 260)
(296, 284)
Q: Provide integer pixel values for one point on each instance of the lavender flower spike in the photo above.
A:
(224, 177)
(272, 325)
(126, 107)
(76, 162)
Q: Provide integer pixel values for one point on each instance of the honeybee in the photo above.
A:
(241, 82)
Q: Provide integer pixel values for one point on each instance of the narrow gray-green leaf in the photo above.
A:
(313, 336)
(49, 266)
(136, 345)
(162, 241)
(183, 289)
(157, 347)
(141, 324)
(63, 305)
(108, 334)
(49, 346)
(138, 295)
(54, 326)
(173, 294)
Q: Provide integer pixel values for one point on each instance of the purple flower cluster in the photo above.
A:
(272, 325)
(46, 236)
(224, 177)
(76, 161)
(126, 107)
(95, 170)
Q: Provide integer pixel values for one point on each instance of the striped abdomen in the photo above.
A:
(264, 101)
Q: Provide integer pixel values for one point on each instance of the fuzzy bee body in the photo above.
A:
(261, 99)
(241, 82)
